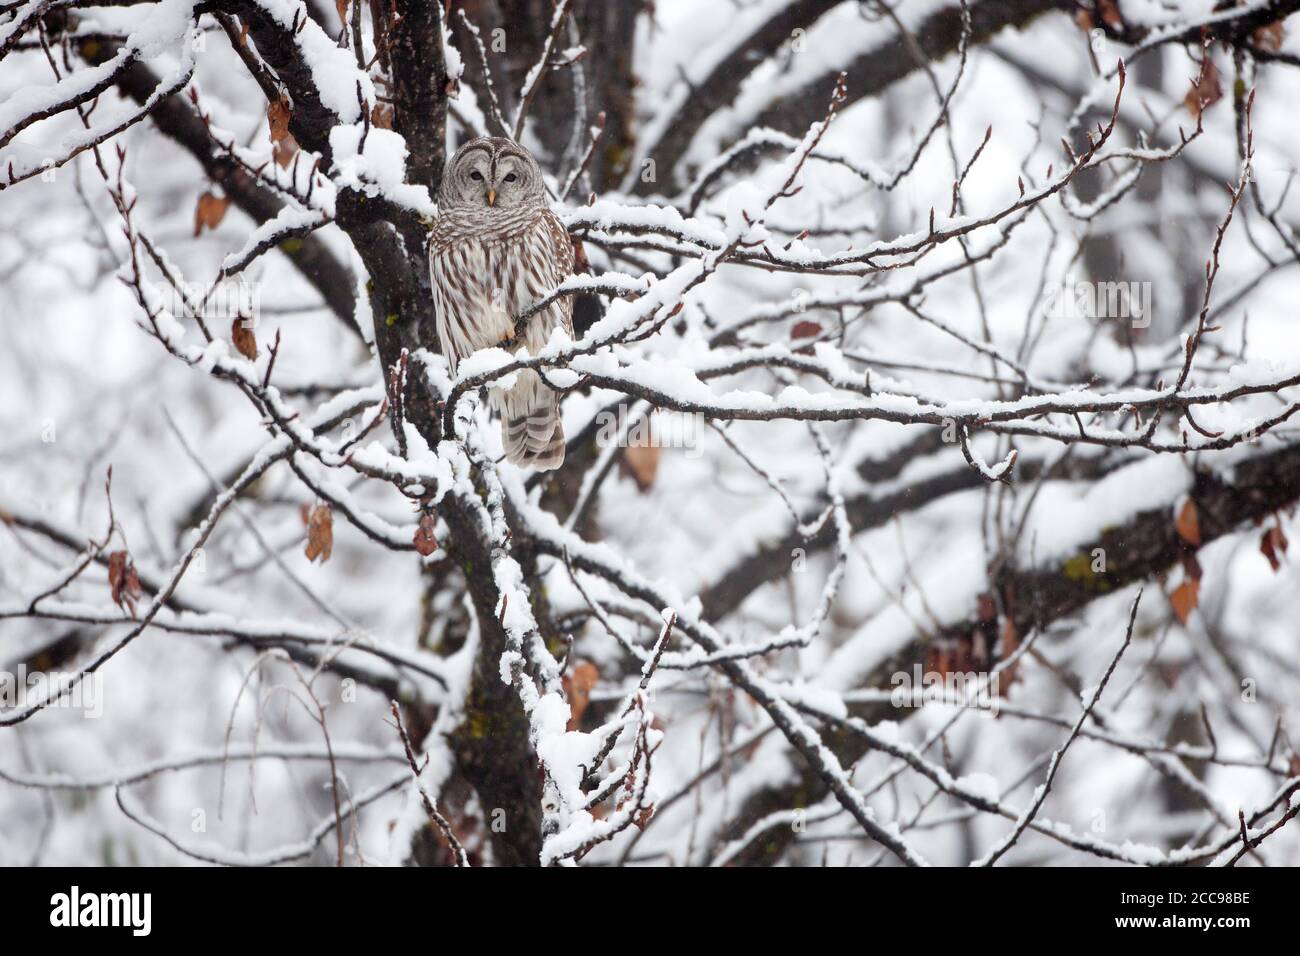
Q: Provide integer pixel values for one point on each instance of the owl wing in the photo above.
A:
(456, 268)
(561, 247)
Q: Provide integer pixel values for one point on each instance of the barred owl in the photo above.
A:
(495, 250)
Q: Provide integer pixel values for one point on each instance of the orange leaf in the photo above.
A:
(320, 534)
(805, 330)
(1273, 546)
(209, 211)
(242, 337)
(1188, 523)
(642, 463)
(283, 146)
(1185, 598)
(578, 688)
(381, 117)
(278, 116)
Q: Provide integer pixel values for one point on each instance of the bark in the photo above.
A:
(419, 73)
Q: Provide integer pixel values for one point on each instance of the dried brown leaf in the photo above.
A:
(1188, 523)
(578, 687)
(381, 116)
(642, 463)
(209, 211)
(123, 581)
(1206, 89)
(581, 264)
(1185, 598)
(320, 534)
(242, 337)
(278, 116)
(425, 541)
(1273, 546)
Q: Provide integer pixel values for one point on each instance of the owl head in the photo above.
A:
(492, 173)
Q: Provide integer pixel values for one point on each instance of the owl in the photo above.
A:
(495, 249)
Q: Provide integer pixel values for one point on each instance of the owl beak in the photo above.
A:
(492, 197)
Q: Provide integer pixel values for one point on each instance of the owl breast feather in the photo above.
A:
(481, 283)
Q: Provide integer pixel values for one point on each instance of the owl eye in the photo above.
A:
(511, 177)
(476, 176)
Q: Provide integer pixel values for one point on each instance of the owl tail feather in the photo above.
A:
(531, 428)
